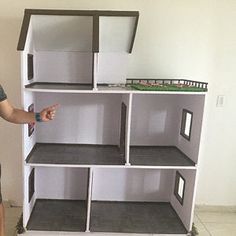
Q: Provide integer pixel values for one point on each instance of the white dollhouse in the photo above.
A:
(115, 159)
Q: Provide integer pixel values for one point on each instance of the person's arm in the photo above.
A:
(19, 116)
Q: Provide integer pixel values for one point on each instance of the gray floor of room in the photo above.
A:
(135, 217)
(76, 154)
(107, 155)
(210, 221)
(116, 217)
(58, 215)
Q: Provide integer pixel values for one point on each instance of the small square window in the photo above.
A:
(179, 187)
(186, 124)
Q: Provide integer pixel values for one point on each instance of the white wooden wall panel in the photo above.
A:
(132, 185)
(63, 33)
(115, 33)
(27, 99)
(29, 49)
(81, 118)
(27, 206)
(154, 120)
(28, 141)
(185, 211)
(95, 71)
(194, 104)
(89, 198)
(127, 99)
(61, 183)
(67, 67)
(112, 67)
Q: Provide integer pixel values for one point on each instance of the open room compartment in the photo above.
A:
(139, 201)
(61, 55)
(59, 199)
(155, 130)
(116, 39)
(110, 70)
(90, 129)
(70, 47)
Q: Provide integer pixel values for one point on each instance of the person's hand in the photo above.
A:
(48, 113)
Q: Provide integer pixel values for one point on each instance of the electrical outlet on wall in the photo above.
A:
(220, 102)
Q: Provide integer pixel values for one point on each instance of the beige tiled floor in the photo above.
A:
(12, 215)
(213, 221)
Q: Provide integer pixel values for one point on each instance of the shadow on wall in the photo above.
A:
(10, 57)
(148, 185)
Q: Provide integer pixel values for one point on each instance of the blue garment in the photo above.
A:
(3, 96)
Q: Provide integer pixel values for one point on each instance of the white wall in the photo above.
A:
(175, 38)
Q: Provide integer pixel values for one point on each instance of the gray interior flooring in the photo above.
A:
(58, 215)
(158, 156)
(76, 154)
(82, 154)
(135, 217)
(60, 86)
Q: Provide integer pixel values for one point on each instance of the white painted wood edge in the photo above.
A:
(114, 166)
(56, 233)
(89, 199)
(111, 91)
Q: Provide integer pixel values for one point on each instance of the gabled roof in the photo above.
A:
(95, 14)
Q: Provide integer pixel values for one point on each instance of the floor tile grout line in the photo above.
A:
(216, 221)
(196, 216)
(203, 225)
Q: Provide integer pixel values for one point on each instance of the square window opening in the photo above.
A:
(186, 124)
(179, 187)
